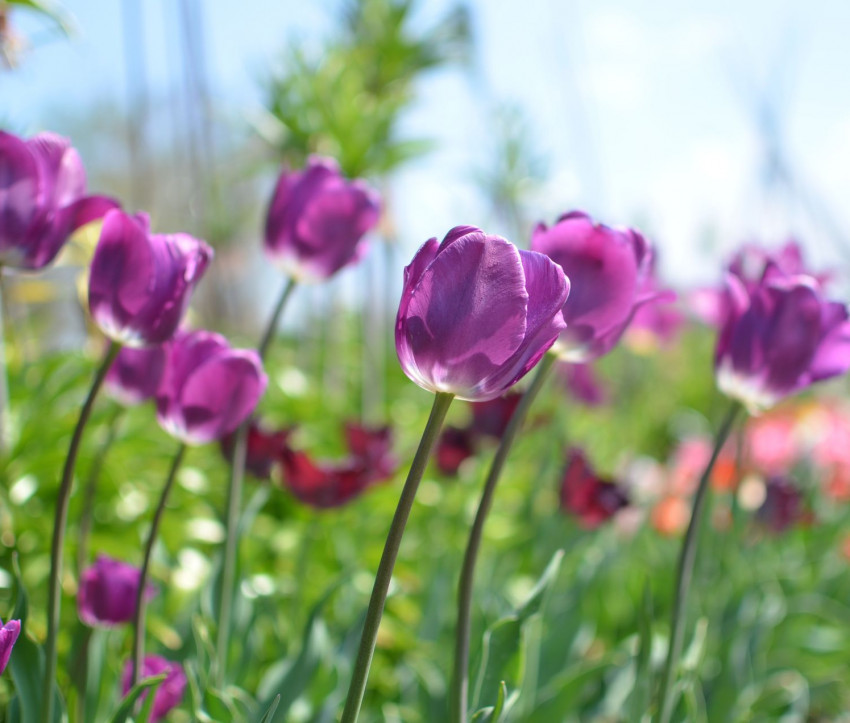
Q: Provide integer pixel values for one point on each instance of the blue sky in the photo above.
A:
(645, 111)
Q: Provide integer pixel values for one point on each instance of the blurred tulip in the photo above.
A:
(778, 338)
(476, 314)
(490, 419)
(772, 443)
(608, 269)
(332, 484)
(584, 494)
(782, 506)
(8, 635)
(169, 692)
(207, 389)
(140, 283)
(583, 384)
(135, 374)
(316, 220)
(670, 515)
(42, 198)
(264, 448)
(107, 594)
(455, 445)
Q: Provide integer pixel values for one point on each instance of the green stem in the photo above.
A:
(54, 590)
(234, 503)
(458, 700)
(90, 490)
(357, 688)
(685, 569)
(141, 602)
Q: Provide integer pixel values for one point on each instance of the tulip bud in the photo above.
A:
(135, 374)
(8, 635)
(169, 692)
(107, 594)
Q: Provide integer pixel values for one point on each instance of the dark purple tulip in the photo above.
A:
(455, 445)
(42, 198)
(135, 374)
(170, 691)
(607, 269)
(264, 448)
(107, 594)
(584, 385)
(207, 389)
(476, 314)
(316, 220)
(8, 635)
(587, 495)
(140, 283)
(779, 337)
(491, 418)
(782, 506)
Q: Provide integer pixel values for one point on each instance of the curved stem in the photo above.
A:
(375, 611)
(90, 490)
(685, 569)
(54, 590)
(458, 702)
(141, 602)
(234, 503)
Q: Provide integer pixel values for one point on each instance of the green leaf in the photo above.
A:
(125, 708)
(501, 655)
(269, 714)
(642, 692)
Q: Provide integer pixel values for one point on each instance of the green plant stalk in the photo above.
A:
(54, 590)
(375, 611)
(685, 570)
(141, 602)
(458, 699)
(234, 502)
(90, 490)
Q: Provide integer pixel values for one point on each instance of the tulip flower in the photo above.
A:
(779, 337)
(331, 484)
(42, 198)
(107, 594)
(207, 389)
(782, 506)
(8, 635)
(316, 220)
(586, 495)
(490, 419)
(455, 445)
(169, 692)
(135, 374)
(476, 314)
(584, 385)
(263, 448)
(608, 269)
(140, 283)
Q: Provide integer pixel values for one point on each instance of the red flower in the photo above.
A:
(584, 494)
(491, 418)
(264, 450)
(325, 484)
(454, 446)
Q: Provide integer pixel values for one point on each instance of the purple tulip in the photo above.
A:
(170, 691)
(476, 314)
(107, 594)
(140, 283)
(42, 198)
(607, 268)
(316, 220)
(134, 376)
(779, 337)
(207, 389)
(8, 635)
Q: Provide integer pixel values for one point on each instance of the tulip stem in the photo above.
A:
(141, 602)
(234, 502)
(375, 611)
(458, 701)
(685, 569)
(90, 490)
(63, 497)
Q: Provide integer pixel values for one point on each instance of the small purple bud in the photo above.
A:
(135, 374)
(207, 389)
(316, 220)
(42, 198)
(170, 691)
(140, 283)
(8, 635)
(476, 314)
(107, 594)
(608, 270)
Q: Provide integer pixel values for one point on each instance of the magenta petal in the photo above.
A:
(19, 189)
(135, 374)
(168, 694)
(107, 593)
(8, 636)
